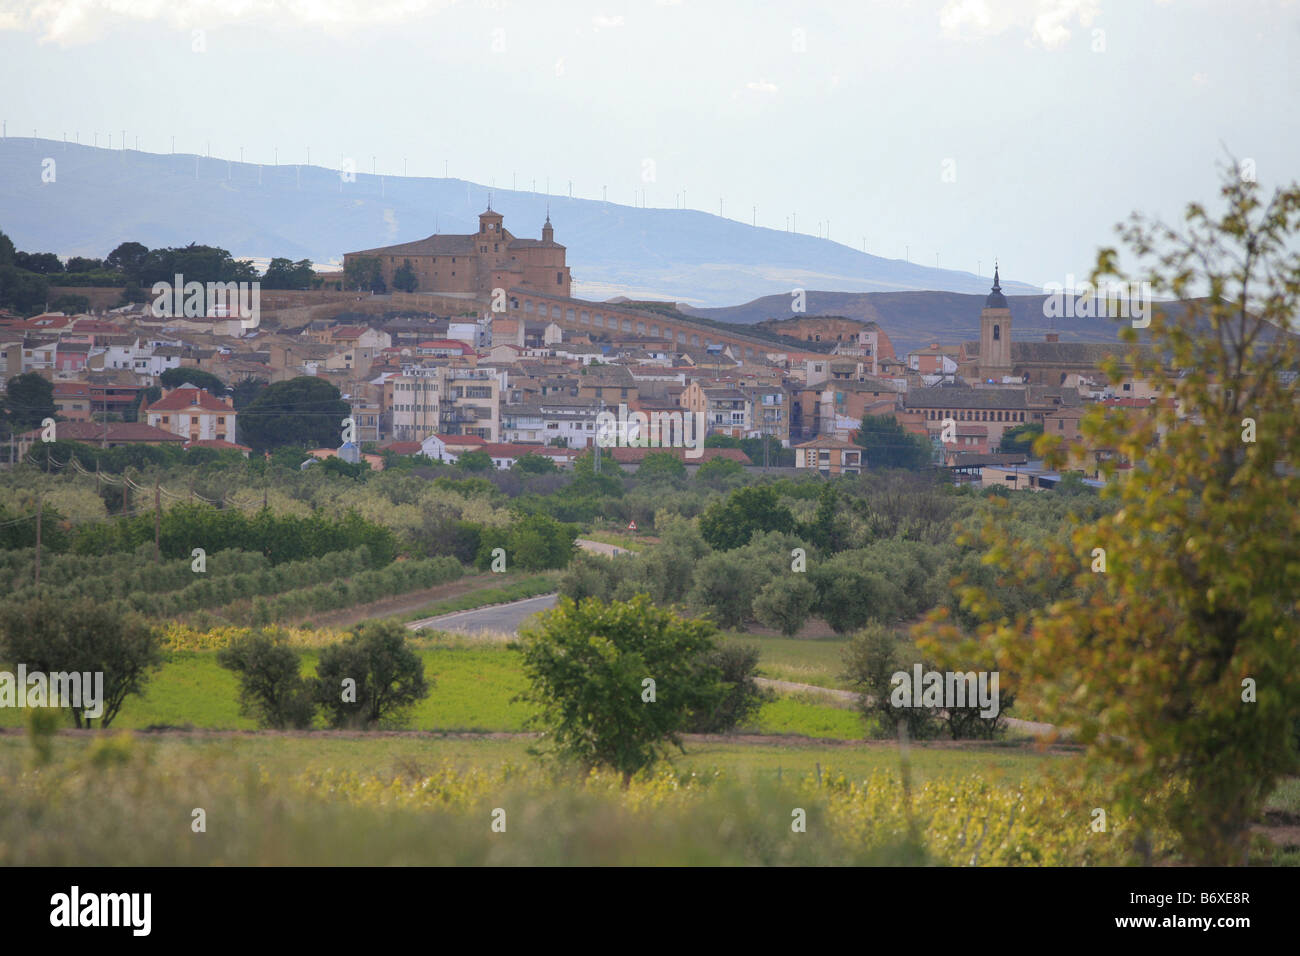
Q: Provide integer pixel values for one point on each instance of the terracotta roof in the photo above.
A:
(828, 441)
(630, 456)
(216, 443)
(518, 450)
(92, 432)
(436, 245)
(181, 399)
(461, 439)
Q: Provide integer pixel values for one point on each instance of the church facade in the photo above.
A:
(474, 265)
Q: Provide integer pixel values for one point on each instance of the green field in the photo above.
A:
(815, 661)
(473, 690)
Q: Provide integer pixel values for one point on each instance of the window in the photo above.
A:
(221, 419)
(559, 278)
(997, 333)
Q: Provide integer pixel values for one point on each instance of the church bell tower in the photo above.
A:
(995, 334)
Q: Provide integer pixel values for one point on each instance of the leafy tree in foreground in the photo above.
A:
(271, 689)
(588, 666)
(1179, 666)
(387, 677)
(54, 636)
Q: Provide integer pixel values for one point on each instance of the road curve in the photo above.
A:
(504, 618)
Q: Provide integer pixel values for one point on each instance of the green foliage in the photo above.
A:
(726, 583)
(82, 635)
(280, 537)
(716, 469)
(387, 677)
(176, 377)
(661, 466)
(533, 464)
(271, 690)
(287, 274)
(587, 665)
(22, 291)
(889, 445)
(737, 665)
(871, 658)
(194, 263)
(745, 512)
(1178, 668)
(1020, 439)
(533, 543)
(28, 400)
(364, 274)
(785, 602)
(405, 279)
(301, 410)
(475, 462)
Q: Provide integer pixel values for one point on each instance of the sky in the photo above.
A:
(949, 131)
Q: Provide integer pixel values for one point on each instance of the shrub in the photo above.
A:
(785, 603)
(737, 664)
(270, 688)
(386, 676)
(83, 636)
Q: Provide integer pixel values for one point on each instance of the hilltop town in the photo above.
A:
(458, 343)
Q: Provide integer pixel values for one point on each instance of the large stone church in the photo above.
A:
(491, 258)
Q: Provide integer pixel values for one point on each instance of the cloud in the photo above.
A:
(761, 86)
(602, 22)
(80, 21)
(1046, 23)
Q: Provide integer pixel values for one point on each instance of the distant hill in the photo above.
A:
(100, 198)
(915, 319)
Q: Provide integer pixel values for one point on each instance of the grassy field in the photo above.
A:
(806, 661)
(473, 687)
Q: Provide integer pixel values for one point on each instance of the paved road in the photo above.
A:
(600, 547)
(504, 618)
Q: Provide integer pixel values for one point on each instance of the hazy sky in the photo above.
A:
(1023, 128)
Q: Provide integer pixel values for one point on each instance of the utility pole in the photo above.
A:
(40, 507)
(157, 519)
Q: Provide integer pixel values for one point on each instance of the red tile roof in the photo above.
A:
(632, 456)
(93, 432)
(216, 443)
(180, 399)
(454, 440)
